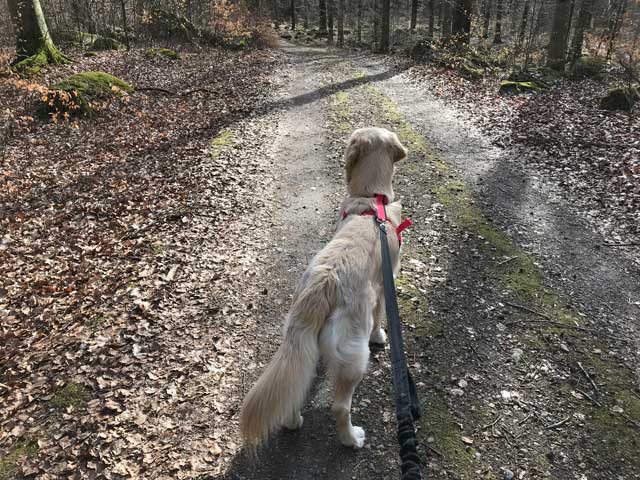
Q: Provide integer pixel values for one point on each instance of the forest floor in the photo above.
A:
(144, 281)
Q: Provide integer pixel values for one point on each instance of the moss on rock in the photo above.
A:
(588, 67)
(622, 98)
(164, 52)
(78, 93)
(106, 43)
(509, 87)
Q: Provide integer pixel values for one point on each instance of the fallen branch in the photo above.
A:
(630, 244)
(169, 92)
(527, 309)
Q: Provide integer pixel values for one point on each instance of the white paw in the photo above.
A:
(354, 437)
(378, 337)
(294, 423)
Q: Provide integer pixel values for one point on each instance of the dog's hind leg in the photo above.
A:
(347, 367)
(378, 337)
(294, 422)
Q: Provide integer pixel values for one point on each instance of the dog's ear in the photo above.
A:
(398, 152)
(351, 155)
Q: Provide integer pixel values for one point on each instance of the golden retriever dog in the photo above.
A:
(338, 305)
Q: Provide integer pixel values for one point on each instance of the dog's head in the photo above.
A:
(369, 161)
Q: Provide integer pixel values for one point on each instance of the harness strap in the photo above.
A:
(380, 213)
(407, 403)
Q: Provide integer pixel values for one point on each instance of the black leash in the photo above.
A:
(407, 403)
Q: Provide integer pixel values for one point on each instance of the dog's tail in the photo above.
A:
(278, 395)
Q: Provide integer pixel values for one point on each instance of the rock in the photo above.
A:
(588, 67)
(164, 52)
(457, 392)
(106, 43)
(516, 354)
(462, 383)
(622, 98)
(508, 87)
(75, 94)
(507, 475)
(470, 71)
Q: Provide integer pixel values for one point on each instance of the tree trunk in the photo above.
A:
(32, 35)
(446, 20)
(322, 16)
(486, 6)
(123, 6)
(622, 8)
(330, 11)
(584, 19)
(384, 30)
(341, 23)
(559, 33)
(523, 25)
(432, 17)
(414, 14)
(305, 19)
(293, 15)
(461, 22)
(497, 36)
(359, 22)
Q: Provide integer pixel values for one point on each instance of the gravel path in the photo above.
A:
(521, 326)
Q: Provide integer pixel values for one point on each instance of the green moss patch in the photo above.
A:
(71, 395)
(20, 452)
(221, 142)
(81, 93)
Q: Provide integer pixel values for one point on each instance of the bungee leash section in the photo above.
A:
(406, 398)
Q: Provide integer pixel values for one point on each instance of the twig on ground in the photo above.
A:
(629, 244)
(558, 424)
(595, 387)
(440, 454)
(507, 260)
(525, 419)
(489, 425)
(633, 422)
(593, 400)
(547, 320)
(527, 309)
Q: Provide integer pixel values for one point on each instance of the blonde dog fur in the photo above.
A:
(338, 304)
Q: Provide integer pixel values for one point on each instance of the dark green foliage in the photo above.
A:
(622, 98)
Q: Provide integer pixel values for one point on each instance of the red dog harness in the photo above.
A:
(381, 215)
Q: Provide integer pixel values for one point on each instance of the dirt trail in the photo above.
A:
(518, 324)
